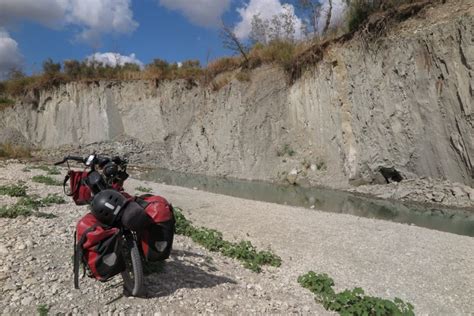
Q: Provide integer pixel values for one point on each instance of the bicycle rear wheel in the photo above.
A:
(133, 278)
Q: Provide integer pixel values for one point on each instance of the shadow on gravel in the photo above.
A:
(185, 270)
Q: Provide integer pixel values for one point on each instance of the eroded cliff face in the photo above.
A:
(406, 102)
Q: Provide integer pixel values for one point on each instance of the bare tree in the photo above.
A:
(313, 9)
(328, 17)
(232, 42)
(287, 18)
(258, 33)
(281, 27)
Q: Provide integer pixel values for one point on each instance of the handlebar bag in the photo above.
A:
(79, 191)
(156, 240)
(99, 248)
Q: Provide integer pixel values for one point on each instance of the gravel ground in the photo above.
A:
(432, 270)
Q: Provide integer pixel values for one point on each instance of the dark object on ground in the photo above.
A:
(391, 174)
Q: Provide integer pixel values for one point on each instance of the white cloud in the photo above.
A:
(47, 12)
(200, 12)
(93, 17)
(9, 53)
(114, 59)
(267, 9)
(100, 17)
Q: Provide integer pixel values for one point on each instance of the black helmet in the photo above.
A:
(106, 206)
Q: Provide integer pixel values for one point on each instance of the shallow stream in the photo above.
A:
(444, 219)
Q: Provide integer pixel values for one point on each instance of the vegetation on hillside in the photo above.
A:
(273, 41)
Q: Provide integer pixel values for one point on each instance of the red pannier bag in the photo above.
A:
(79, 191)
(157, 239)
(99, 248)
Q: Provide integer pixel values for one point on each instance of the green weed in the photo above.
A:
(15, 211)
(351, 302)
(212, 240)
(29, 205)
(42, 310)
(48, 169)
(143, 189)
(16, 190)
(52, 199)
(45, 180)
(286, 150)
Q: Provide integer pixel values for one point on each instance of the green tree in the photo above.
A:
(50, 67)
(72, 68)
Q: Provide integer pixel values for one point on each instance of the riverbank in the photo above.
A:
(430, 269)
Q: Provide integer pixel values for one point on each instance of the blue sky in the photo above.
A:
(174, 30)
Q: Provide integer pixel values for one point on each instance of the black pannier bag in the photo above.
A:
(156, 240)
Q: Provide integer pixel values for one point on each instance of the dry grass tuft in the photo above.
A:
(14, 151)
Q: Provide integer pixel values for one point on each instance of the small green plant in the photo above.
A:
(45, 180)
(212, 240)
(52, 199)
(6, 103)
(286, 150)
(143, 189)
(29, 205)
(321, 165)
(42, 310)
(44, 215)
(15, 211)
(16, 190)
(351, 302)
(54, 171)
(49, 170)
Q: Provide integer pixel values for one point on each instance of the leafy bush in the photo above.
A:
(14, 151)
(50, 67)
(16, 190)
(45, 180)
(212, 240)
(6, 103)
(351, 302)
(360, 10)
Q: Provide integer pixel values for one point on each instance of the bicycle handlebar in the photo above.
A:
(67, 158)
(100, 160)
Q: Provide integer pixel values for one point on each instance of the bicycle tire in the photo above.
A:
(133, 278)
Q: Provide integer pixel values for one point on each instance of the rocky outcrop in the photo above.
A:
(405, 103)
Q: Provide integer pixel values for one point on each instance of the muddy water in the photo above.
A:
(449, 220)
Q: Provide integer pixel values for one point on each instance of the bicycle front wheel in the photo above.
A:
(133, 284)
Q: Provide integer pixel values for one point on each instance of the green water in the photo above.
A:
(444, 219)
